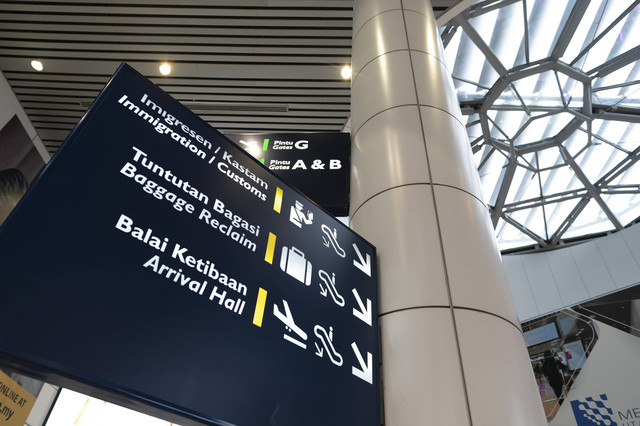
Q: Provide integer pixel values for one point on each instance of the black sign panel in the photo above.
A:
(155, 260)
(315, 163)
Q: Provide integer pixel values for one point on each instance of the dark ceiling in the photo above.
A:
(245, 66)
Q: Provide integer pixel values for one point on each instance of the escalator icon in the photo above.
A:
(326, 339)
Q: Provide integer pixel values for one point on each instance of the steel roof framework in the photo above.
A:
(525, 105)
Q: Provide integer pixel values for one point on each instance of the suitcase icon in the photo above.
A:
(292, 262)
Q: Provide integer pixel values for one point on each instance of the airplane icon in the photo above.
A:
(290, 325)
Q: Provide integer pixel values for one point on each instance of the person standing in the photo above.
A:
(553, 373)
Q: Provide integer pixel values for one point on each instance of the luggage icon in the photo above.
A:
(292, 262)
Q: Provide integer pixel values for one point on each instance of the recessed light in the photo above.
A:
(346, 72)
(37, 65)
(165, 69)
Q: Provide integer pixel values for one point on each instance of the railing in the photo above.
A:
(559, 344)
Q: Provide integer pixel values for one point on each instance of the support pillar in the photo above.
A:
(452, 348)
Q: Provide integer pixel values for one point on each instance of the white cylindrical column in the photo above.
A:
(452, 348)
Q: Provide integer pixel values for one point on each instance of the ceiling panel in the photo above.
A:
(243, 65)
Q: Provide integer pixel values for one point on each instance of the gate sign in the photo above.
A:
(315, 163)
(157, 262)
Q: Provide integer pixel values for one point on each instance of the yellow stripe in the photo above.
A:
(271, 247)
(259, 312)
(277, 204)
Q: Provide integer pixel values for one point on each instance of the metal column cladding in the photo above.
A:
(176, 270)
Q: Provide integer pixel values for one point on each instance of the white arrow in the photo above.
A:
(364, 313)
(323, 291)
(364, 266)
(366, 369)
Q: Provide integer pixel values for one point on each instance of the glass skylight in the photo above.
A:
(550, 90)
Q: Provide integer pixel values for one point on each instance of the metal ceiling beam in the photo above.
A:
(584, 113)
(568, 130)
(476, 144)
(525, 230)
(532, 108)
(603, 140)
(570, 27)
(593, 192)
(525, 18)
(617, 86)
(568, 221)
(537, 146)
(616, 63)
(541, 189)
(481, 8)
(447, 34)
(628, 118)
(480, 44)
(587, 98)
(505, 185)
(513, 89)
(620, 189)
(523, 186)
(605, 32)
(527, 165)
(485, 156)
(484, 126)
(501, 146)
(556, 140)
(498, 128)
(528, 70)
(522, 128)
(572, 72)
(545, 200)
(620, 168)
(482, 86)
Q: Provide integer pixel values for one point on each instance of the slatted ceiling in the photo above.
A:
(288, 24)
(215, 58)
(316, 74)
(38, 93)
(195, 49)
(106, 50)
(172, 39)
(45, 78)
(162, 30)
(242, 65)
(238, 9)
(97, 82)
(207, 54)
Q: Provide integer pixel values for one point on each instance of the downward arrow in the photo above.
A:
(323, 291)
(364, 313)
(366, 369)
(361, 263)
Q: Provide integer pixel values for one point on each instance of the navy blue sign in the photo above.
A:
(315, 163)
(156, 262)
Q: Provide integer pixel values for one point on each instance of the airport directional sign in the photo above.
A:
(315, 163)
(158, 265)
